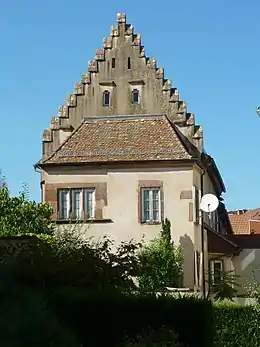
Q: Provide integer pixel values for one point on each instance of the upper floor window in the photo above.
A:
(76, 204)
(106, 98)
(135, 96)
(151, 205)
(214, 220)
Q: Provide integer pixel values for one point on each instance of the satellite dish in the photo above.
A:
(209, 203)
(258, 111)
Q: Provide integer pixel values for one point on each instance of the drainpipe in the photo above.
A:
(202, 237)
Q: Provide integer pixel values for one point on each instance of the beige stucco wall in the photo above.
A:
(122, 207)
(247, 266)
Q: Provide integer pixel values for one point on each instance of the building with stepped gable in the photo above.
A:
(124, 153)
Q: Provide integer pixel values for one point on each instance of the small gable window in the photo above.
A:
(106, 98)
(135, 96)
(113, 63)
(129, 63)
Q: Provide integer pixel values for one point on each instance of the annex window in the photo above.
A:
(106, 98)
(151, 206)
(113, 63)
(214, 221)
(135, 96)
(76, 204)
(129, 63)
(216, 267)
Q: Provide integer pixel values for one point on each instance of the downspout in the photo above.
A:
(37, 169)
(202, 237)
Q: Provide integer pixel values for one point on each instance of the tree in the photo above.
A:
(224, 286)
(160, 262)
(19, 216)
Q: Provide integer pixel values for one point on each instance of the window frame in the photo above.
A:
(134, 92)
(105, 94)
(151, 209)
(70, 204)
(212, 269)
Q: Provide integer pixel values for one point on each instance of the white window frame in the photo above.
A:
(151, 220)
(60, 203)
(212, 268)
(92, 190)
(70, 202)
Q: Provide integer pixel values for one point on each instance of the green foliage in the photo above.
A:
(66, 260)
(252, 287)
(160, 262)
(236, 326)
(154, 338)
(19, 216)
(26, 320)
(113, 317)
(225, 285)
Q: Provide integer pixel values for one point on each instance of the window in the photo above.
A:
(106, 98)
(151, 206)
(129, 63)
(213, 221)
(216, 271)
(76, 204)
(63, 204)
(135, 96)
(113, 63)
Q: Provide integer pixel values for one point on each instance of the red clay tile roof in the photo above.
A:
(133, 138)
(247, 222)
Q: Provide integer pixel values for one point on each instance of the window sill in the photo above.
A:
(82, 221)
(151, 223)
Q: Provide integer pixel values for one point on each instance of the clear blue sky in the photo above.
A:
(209, 49)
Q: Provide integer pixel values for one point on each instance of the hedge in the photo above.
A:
(236, 326)
(106, 318)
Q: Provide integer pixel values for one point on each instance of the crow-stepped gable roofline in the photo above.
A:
(109, 71)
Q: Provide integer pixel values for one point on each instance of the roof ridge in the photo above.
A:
(123, 117)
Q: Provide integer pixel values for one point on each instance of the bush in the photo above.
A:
(160, 262)
(26, 320)
(236, 326)
(154, 338)
(106, 318)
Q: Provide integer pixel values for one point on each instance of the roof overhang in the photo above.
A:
(183, 162)
(219, 244)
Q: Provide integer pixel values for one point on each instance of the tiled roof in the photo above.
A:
(126, 138)
(247, 222)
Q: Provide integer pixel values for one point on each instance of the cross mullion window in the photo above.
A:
(76, 203)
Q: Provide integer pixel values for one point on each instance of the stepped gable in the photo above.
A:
(118, 67)
(121, 138)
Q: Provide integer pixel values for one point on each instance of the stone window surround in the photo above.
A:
(51, 196)
(150, 184)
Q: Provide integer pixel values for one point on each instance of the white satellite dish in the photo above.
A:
(209, 203)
